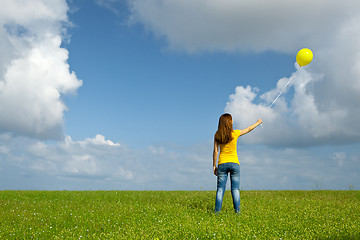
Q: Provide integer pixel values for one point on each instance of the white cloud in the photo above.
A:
(85, 164)
(229, 25)
(298, 120)
(81, 164)
(339, 158)
(99, 139)
(90, 158)
(34, 72)
(108, 4)
(100, 161)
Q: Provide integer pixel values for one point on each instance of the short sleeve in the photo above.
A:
(237, 133)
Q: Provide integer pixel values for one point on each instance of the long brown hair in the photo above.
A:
(225, 127)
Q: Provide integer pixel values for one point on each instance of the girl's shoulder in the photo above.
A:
(236, 132)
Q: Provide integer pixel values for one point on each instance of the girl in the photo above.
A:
(226, 139)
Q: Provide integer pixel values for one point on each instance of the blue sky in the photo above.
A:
(139, 81)
(114, 94)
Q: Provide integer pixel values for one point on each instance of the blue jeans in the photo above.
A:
(222, 174)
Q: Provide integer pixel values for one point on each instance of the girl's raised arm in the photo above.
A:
(250, 128)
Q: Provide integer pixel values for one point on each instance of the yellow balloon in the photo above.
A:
(304, 57)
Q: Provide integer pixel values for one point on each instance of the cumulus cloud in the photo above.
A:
(90, 158)
(298, 120)
(295, 120)
(99, 163)
(34, 72)
(324, 107)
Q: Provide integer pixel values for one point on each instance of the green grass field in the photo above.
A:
(178, 215)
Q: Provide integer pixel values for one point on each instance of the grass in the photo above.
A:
(178, 215)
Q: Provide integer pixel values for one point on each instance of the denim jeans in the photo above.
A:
(222, 174)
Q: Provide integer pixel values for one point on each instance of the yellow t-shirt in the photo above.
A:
(228, 152)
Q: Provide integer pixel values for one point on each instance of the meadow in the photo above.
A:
(178, 215)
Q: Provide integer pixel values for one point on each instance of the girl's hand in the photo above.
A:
(215, 170)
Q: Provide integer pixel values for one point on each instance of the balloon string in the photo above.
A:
(278, 97)
(280, 93)
(275, 99)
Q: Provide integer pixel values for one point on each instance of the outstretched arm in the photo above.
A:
(215, 156)
(250, 128)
